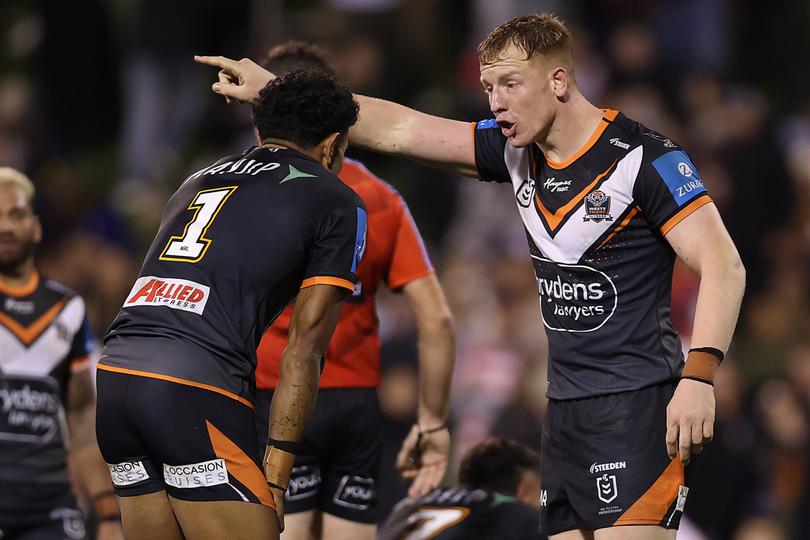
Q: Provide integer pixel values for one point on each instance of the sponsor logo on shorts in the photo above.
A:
(574, 297)
(304, 482)
(606, 488)
(72, 521)
(597, 207)
(127, 473)
(525, 193)
(195, 475)
(169, 292)
(680, 504)
(355, 492)
(543, 498)
(602, 467)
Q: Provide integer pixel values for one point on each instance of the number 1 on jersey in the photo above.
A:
(192, 244)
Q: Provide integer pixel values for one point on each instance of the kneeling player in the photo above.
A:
(237, 241)
(497, 499)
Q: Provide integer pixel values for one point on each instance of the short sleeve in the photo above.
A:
(81, 347)
(409, 260)
(669, 187)
(338, 247)
(489, 149)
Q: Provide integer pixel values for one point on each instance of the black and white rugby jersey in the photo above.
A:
(596, 225)
(44, 335)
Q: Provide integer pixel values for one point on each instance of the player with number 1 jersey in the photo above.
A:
(238, 241)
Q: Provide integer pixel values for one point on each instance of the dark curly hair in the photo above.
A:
(304, 107)
(294, 54)
(497, 464)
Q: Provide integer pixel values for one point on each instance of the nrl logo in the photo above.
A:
(597, 207)
(525, 192)
(606, 488)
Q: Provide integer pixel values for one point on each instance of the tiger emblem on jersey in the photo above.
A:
(597, 207)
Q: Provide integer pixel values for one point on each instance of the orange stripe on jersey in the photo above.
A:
(23, 290)
(240, 465)
(556, 218)
(652, 507)
(177, 380)
(328, 280)
(29, 334)
(684, 212)
(621, 226)
(608, 117)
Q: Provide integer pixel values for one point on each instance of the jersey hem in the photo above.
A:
(176, 380)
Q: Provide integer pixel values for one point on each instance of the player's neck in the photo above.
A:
(281, 143)
(572, 127)
(19, 277)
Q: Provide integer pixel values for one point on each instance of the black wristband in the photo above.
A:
(710, 383)
(287, 446)
(710, 350)
(440, 427)
(276, 486)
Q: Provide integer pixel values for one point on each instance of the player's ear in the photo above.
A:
(560, 83)
(37, 229)
(333, 147)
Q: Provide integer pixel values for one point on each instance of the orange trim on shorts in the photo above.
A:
(328, 280)
(23, 290)
(177, 380)
(684, 212)
(608, 117)
(651, 508)
(240, 465)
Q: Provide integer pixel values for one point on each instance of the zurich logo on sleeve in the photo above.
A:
(486, 124)
(359, 239)
(679, 175)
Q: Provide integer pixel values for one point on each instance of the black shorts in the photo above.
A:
(195, 444)
(32, 511)
(605, 463)
(336, 470)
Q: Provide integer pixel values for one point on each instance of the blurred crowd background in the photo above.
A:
(103, 107)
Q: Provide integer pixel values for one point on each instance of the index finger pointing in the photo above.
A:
(216, 61)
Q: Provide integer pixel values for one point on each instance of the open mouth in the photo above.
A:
(507, 128)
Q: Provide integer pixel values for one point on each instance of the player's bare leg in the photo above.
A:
(335, 528)
(635, 532)
(300, 526)
(147, 517)
(234, 520)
